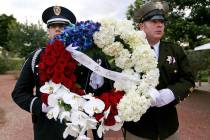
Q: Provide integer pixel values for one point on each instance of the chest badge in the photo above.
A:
(171, 60)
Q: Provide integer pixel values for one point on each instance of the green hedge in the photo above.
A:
(3, 65)
(15, 63)
(10, 64)
(202, 76)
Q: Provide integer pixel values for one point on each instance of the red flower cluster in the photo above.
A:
(57, 64)
(110, 99)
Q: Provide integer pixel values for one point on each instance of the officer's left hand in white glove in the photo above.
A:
(96, 81)
(161, 97)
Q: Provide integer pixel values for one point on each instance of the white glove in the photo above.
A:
(161, 97)
(45, 108)
(96, 81)
(155, 95)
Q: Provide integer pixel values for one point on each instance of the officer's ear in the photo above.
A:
(48, 31)
(140, 26)
(49, 34)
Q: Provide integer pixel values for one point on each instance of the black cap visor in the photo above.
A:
(154, 15)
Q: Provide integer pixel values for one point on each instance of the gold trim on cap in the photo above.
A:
(57, 10)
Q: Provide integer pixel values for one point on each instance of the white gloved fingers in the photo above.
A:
(155, 95)
(166, 96)
(96, 81)
(161, 97)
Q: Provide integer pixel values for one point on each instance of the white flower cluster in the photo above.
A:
(139, 61)
(134, 104)
(79, 116)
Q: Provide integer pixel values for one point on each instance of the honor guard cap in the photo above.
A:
(154, 9)
(58, 14)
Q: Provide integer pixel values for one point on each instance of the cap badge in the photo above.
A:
(57, 10)
(159, 5)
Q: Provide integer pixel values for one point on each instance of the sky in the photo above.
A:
(31, 10)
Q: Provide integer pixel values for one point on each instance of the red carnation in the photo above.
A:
(62, 62)
(110, 120)
(111, 99)
(98, 116)
(43, 77)
(73, 78)
(80, 91)
(67, 83)
(57, 78)
(44, 98)
(72, 65)
(65, 54)
(42, 66)
(50, 60)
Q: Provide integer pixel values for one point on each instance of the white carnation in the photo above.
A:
(113, 49)
(132, 106)
(123, 60)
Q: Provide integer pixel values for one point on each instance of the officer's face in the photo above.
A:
(154, 30)
(55, 29)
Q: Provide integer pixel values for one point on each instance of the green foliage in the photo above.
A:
(15, 63)
(10, 64)
(20, 39)
(193, 29)
(24, 38)
(201, 15)
(5, 21)
(202, 76)
(67, 107)
(132, 8)
(199, 60)
(3, 65)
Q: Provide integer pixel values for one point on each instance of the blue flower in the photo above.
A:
(79, 35)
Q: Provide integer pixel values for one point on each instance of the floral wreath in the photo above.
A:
(126, 49)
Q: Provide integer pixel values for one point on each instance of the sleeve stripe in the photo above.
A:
(32, 102)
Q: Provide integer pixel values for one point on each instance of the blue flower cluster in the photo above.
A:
(80, 34)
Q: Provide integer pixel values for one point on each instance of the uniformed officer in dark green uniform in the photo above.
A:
(56, 18)
(176, 81)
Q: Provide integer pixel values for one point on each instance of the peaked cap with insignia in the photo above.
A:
(58, 14)
(151, 10)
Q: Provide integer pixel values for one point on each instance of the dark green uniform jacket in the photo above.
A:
(24, 95)
(175, 74)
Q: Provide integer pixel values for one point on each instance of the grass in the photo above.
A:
(203, 76)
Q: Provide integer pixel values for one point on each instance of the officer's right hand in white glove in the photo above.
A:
(161, 97)
(45, 108)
